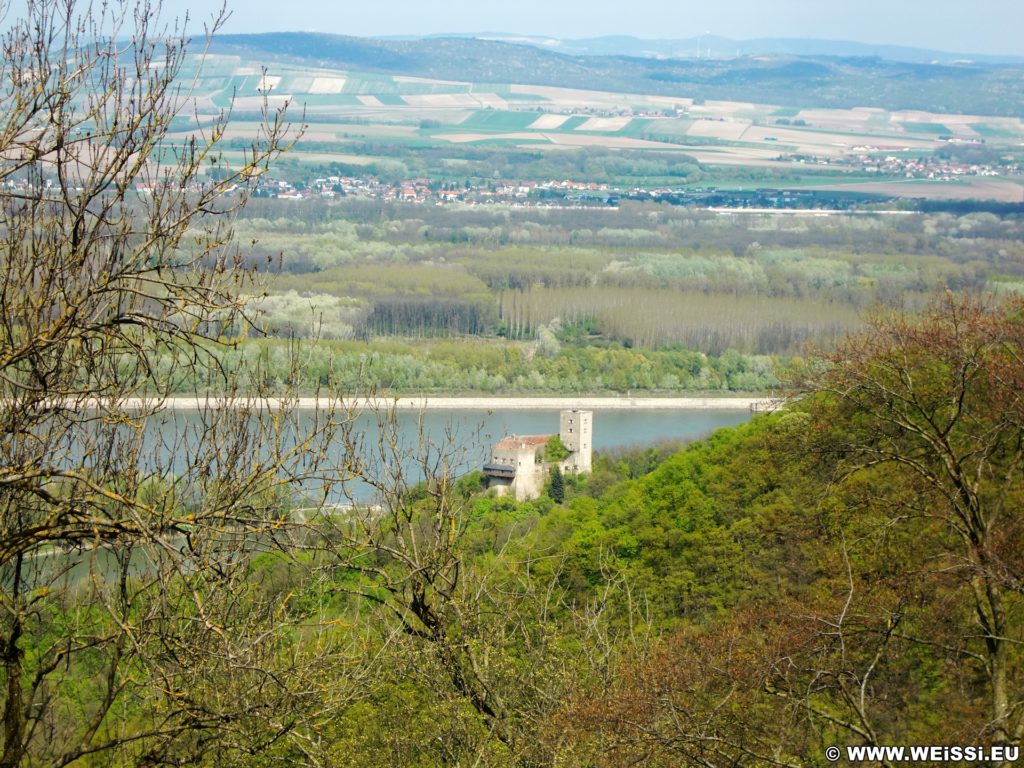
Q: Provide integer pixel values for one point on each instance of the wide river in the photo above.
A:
(469, 434)
(473, 433)
(612, 428)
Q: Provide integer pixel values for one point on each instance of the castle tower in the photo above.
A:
(576, 428)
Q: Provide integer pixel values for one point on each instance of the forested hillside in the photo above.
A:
(846, 572)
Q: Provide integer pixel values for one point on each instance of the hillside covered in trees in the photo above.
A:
(845, 572)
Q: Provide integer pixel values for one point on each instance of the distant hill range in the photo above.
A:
(841, 81)
(714, 46)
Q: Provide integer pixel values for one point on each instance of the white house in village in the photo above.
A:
(517, 464)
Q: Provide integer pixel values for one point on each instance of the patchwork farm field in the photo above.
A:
(377, 116)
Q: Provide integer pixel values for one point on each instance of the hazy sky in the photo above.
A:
(974, 26)
(977, 26)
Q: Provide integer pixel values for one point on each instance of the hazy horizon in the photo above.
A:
(991, 27)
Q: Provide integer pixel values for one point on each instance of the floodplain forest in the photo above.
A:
(433, 299)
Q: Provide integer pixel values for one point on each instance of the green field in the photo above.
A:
(391, 99)
(498, 121)
(991, 131)
(930, 128)
(573, 123)
(652, 128)
(726, 162)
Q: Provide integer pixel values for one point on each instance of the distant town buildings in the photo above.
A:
(432, 191)
(885, 163)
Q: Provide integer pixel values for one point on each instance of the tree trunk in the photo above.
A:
(13, 714)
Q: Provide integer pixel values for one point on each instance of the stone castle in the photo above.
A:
(518, 465)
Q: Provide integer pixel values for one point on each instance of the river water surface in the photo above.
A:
(469, 434)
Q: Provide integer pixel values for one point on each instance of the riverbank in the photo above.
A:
(431, 403)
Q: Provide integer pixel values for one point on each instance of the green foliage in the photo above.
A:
(762, 286)
(555, 449)
(728, 584)
(466, 366)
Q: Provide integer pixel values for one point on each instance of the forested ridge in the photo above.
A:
(844, 572)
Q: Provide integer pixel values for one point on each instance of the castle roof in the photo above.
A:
(518, 442)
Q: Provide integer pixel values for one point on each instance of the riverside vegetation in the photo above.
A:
(426, 299)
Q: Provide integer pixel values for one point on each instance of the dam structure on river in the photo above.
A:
(520, 464)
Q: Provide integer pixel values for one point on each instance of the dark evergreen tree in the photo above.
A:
(556, 490)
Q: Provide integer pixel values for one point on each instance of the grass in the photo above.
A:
(222, 99)
(572, 123)
(932, 128)
(995, 132)
(636, 128)
(653, 129)
(498, 121)
(390, 99)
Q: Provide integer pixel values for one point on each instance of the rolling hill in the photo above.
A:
(786, 80)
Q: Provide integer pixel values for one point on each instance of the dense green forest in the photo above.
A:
(845, 572)
(449, 367)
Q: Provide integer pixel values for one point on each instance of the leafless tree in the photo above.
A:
(132, 626)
